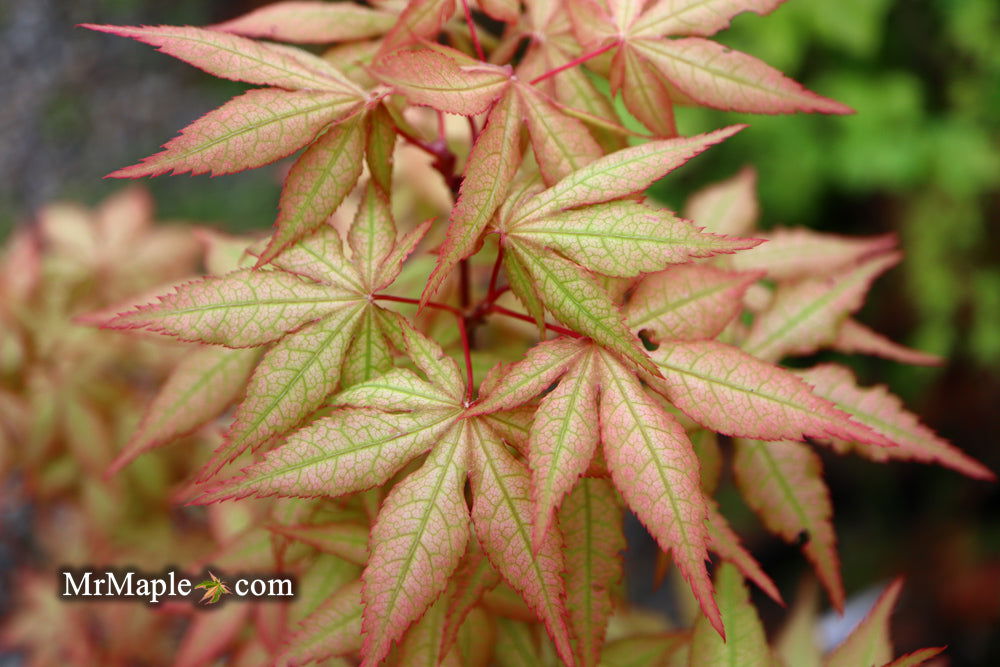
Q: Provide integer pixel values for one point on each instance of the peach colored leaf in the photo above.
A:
(918, 657)
(423, 641)
(593, 24)
(561, 143)
(310, 22)
(440, 369)
(726, 543)
(502, 10)
(334, 629)
(879, 410)
(563, 440)
(727, 207)
(852, 336)
(523, 287)
(501, 511)
(372, 235)
(695, 17)
(644, 93)
(393, 263)
(381, 146)
(798, 642)
(474, 577)
(346, 540)
(624, 238)
(687, 302)
(577, 300)
(320, 257)
(317, 183)
(422, 19)
(716, 76)
(430, 78)
(513, 426)
(745, 643)
(202, 385)
(622, 173)
(250, 130)
(398, 389)
(352, 450)
(240, 59)
(783, 483)
(209, 635)
(292, 380)
(241, 309)
(791, 254)
(417, 542)
(805, 316)
(369, 355)
(491, 167)
(591, 524)
(654, 467)
(869, 643)
(727, 390)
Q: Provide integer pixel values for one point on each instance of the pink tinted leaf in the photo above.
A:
(870, 643)
(593, 23)
(716, 76)
(622, 173)
(417, 542)
(726, 543)
(806, 315)
(625, 238)
(474, 577)
(745, 643)
(346, 540)
(239, 58)
(728, 207)
(491, 167)
(783, 483)
(334, 629)
(542, 365)
(199, 388)
(695, 17)
(440, 369)
(563, 439)
(591, 523)
(918, 657)
(352, 450)
(429, 78)
(209, 635)
(727, 390)
(645, 95)
(398, 389)
(373, 234)
(369, 355)
(317, 183)
(381, 146)
(501, 512)
(791, 254)
(561, 143)
(655, 469)
(854, 337)
(393, 263)
(310, 22)
(879, 410)
(522, 286)
(422, 19)
(687, 302)
(320, 257)
(251, 130)
(502, 10)
(241, 309)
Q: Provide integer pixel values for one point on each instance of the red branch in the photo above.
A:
(527, 318)
(472, 30)
(573, 63)
(416, 302)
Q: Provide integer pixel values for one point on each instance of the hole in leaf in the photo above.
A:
(802, 538)
(646, 336)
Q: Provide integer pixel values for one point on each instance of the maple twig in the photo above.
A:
(416, 302)
(573, 63)
(472, 30)
(419, 143)
(527, 318)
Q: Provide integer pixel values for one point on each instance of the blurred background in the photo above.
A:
(921, 158)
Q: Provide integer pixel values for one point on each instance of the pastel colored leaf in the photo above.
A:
(745, 643)
(417, 542)
(798, 642)
(422, 643)
(576, 299)
(728, 207)
(429, 78)
(393, 263)
(625, 238)
(593, 23)
(806, 315)
(310, 22)
(398, 389)
(918, 657)
(209, 635)
(591, 524)
(381, 146)
(716, 76)
(563, 440)
(474, 577)
(695, 17)
(334, 629)
(240, 59)
(869, 643)
(655, 469)
(687, 302)
(645, 94)
(852, 336)
(320, 257)
(323, 577)
(726, 543)
(622, 173)
(501, 516)
(292, 380)
(647, 650)
(882, 412)
(317, 183)
(561, 143)
(502, 10)
(351, 450)
(791, 254)
(491, 167)
(440, 369)
(523, 287)
(373, 234)
(783, 483)
(346, 540)
(251, 130)
(198, 390)
(727, 390)
(369, 355)
(514, 426)
(421, 19)
(241, 309)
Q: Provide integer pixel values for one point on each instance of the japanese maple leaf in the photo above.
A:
(215, 588)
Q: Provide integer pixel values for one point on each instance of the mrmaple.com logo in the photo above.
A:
(123, 584)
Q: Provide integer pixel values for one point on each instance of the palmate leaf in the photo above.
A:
(561, 143)
(695, 17)
(311, 22)
(644, 92)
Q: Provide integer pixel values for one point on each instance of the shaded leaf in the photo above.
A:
(745, 643)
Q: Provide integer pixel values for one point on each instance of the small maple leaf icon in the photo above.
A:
(215, 588)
